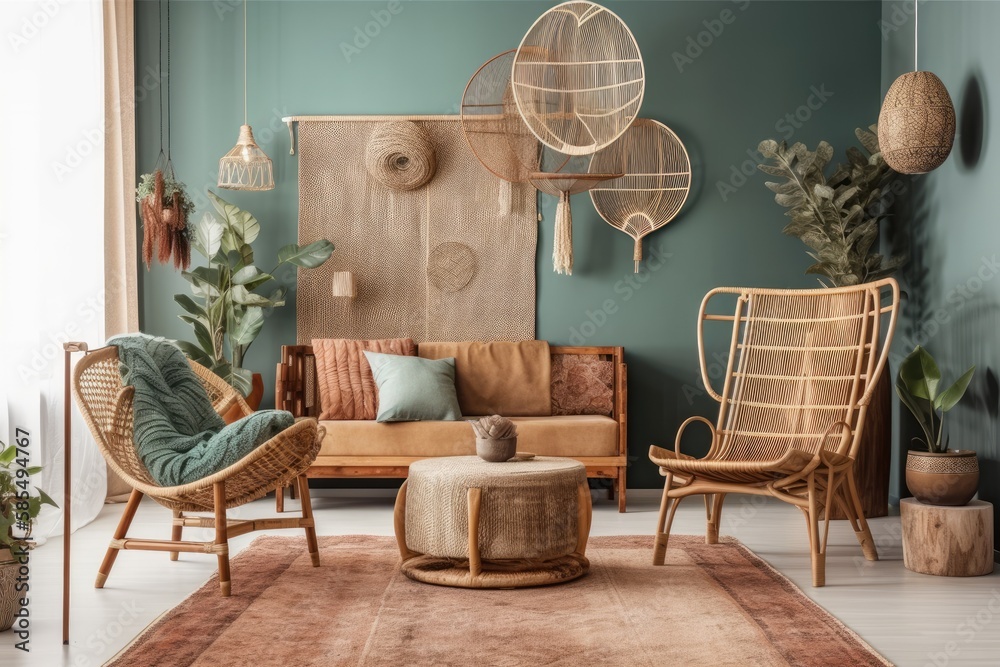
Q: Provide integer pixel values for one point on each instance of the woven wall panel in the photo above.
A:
(414, 278)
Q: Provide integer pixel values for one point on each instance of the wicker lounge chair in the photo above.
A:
(800, 373)
(107, 408)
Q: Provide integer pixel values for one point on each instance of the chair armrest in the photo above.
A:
(690, 420)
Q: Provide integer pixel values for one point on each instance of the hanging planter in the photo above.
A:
(164, 205)
(165, 209)
(916, 126)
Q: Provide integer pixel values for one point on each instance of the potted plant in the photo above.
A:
(20, 504)
(228, 304)
(938, 476)
(837, 217)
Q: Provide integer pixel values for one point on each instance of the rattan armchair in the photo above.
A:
(106, 406)
(801, 369)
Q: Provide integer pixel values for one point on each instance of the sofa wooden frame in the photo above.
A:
(296, 392)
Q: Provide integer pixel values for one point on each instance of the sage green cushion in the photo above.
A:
(413, 389)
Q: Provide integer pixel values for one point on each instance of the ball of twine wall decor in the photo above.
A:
(578, 77)
(655, 184)
(916, 127)
(401, 156)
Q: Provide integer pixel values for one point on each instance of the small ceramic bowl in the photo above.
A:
(496, 450)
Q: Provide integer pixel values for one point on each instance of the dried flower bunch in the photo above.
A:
(494, 427)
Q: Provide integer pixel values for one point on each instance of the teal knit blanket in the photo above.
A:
(178, 435)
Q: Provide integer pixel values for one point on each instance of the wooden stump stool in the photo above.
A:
(947, 541)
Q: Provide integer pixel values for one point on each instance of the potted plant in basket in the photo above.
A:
(837, 217)
(938, 476)
(228, 304)
(20, 504)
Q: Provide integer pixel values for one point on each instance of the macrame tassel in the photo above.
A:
(562, 247)
(637, 253)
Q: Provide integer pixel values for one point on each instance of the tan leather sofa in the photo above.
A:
(583, 414)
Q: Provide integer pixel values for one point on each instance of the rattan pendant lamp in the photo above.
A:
(246, 166)
(916, 126)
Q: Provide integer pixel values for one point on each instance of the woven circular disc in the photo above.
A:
(401, 156)
(578, 77)
(450, 266)
(445, 572)
(916, 127)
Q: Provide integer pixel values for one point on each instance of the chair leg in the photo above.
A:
(292, 491)
(713, 509)
(668, 506)
(620, 488)
(221, 544)
(175, 533)
(307, 514)
(279, 499)
(817, 552)
(853, 506)
(112, 553)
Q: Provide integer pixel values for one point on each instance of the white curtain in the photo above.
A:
(52, 189)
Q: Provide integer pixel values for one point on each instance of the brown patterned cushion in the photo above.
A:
(347, 389)
(582, 384)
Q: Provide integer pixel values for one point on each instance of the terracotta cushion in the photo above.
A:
(509, 379)
(575, 435)
(347, 389)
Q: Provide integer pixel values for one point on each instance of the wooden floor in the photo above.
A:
(911, 619)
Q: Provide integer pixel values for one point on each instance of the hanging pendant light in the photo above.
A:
(246, 166)
(916, 127)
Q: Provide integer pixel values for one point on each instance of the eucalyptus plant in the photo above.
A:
(20, 501)
(230, 294)
(917, 387)
(838, 216)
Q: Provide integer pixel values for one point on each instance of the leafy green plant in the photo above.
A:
(837, 217)
(227, 310)
(17, 497)
(917, 387)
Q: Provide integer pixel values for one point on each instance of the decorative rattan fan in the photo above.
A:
(496, 133)
(502, 142)
(655, 184)
(578, 77)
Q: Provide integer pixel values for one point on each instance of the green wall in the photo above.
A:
(948, 219)
(758, 66)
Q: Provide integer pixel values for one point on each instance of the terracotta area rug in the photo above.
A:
(711, 605)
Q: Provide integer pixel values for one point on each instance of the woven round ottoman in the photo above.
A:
(461, 521)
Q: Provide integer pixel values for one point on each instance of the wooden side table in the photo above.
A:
(947, 541)
(461, 521)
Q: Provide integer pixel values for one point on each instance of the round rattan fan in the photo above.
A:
(655, 184)
(502, 142)
(497, 135)
(578, 77)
